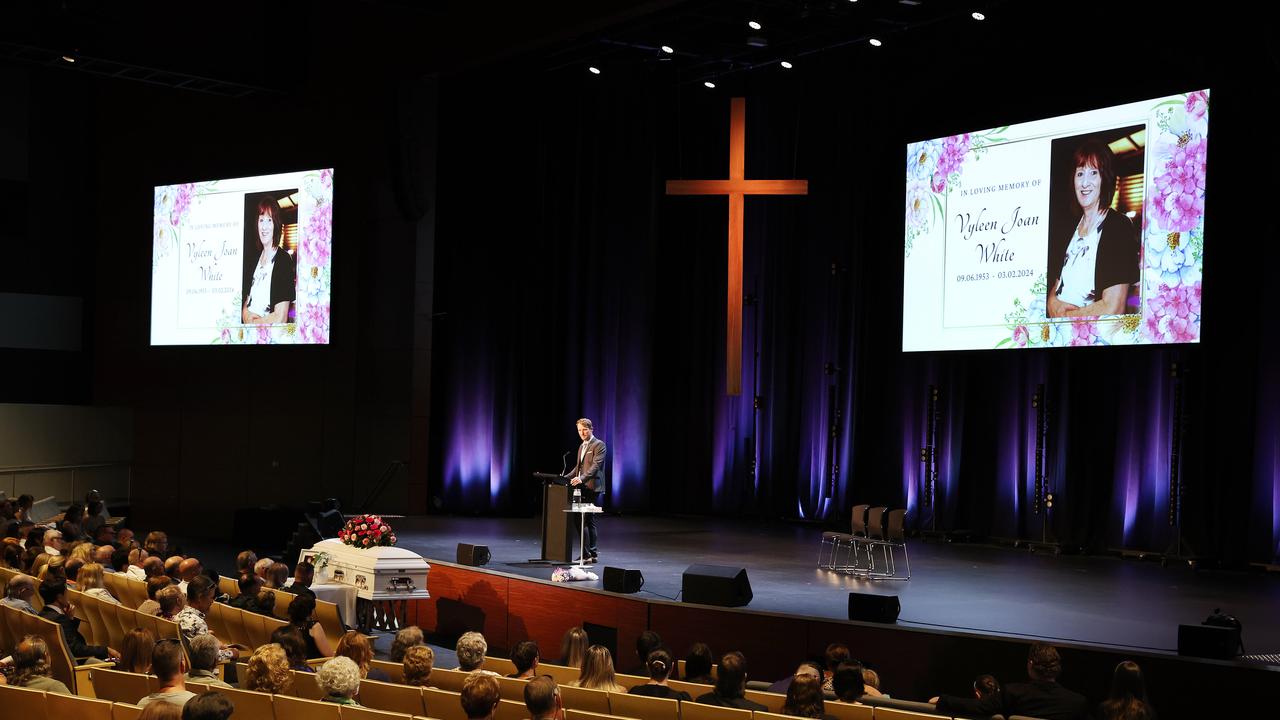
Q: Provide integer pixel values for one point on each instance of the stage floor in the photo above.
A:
(1095, 600)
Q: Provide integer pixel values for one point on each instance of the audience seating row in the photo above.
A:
(105, 623)
(130, 591)
(326, 612)
(18, 624)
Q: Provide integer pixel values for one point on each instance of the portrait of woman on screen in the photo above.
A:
(270, 282)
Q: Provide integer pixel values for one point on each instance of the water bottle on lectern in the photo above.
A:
(577, 495)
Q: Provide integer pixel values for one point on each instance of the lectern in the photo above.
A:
(557, 530)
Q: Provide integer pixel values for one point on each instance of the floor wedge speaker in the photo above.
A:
(874, 608)
(716, 585)
(620, 580)
(473, 554)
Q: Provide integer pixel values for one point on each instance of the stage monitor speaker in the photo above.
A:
(716, 585)
(1208, 641)
(620, 580)
(874, 608)
(473, 554)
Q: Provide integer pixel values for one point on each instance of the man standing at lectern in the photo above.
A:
(588, 475)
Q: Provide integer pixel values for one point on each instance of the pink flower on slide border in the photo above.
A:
(313, 323)
(1197, 105)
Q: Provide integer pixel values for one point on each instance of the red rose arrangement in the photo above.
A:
(366, 531)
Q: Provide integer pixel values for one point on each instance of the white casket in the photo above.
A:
(378, 573)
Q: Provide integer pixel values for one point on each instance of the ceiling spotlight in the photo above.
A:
(875, 42)
(978, 16)
(754, 25)
(668, 49)
(71, 56)
(594, 70)
(709, 84)
(786, 65)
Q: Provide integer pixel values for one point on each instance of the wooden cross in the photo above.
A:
(736, 187)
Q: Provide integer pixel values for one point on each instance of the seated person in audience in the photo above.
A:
(212, 705)
(161, 711)
(406, 638)
(597, 671)
(847, 682)
(245, 562)
(120, 561)
(171, 565)
(835, 654)
(58, 608)
(295, 648)
(22, 510)
(136, 650)
(985, 686)
(137, 556)
(355, 645)
(157, 544)
(479, 696)
(52, 543)
(339, 679)
(190, 619)
(418, 662)
(90, 581)
(188, 569)
(18, 596)
(646, 642)
(731, 685)
(71, 525)
(102, 555)
(125, 539)
(542, 699)
(808, 667)
(301, 610)
(871, 683)
(171, 600)
(252, 598)
(12, 557)
(151, 606)
(204, 661)
(697, 665)
(304, 573)
(95, 520)
(804, 698)
(170, 666)
(260, 567)
(525, 658)
(276, 576)
(573, 647)
(659, 668)
(1128, 697)
(31, 667)
(269, 671)
(1043, 697)
(470, 650)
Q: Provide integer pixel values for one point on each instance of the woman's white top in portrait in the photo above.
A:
(260, 291)
(1078, 267)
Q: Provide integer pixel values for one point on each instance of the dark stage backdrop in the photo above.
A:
(568, 284)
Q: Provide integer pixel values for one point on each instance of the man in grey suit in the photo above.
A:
(588, 475)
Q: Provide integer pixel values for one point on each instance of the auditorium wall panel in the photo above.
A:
(542, 613)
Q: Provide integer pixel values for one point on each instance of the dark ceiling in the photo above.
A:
(240, 48)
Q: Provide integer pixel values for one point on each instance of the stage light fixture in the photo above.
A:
(594, 70)
(875, 42)
(978, 16)
(755, 25)
(668, 49)
(786, 65)
(70, 57)
(709, 84)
